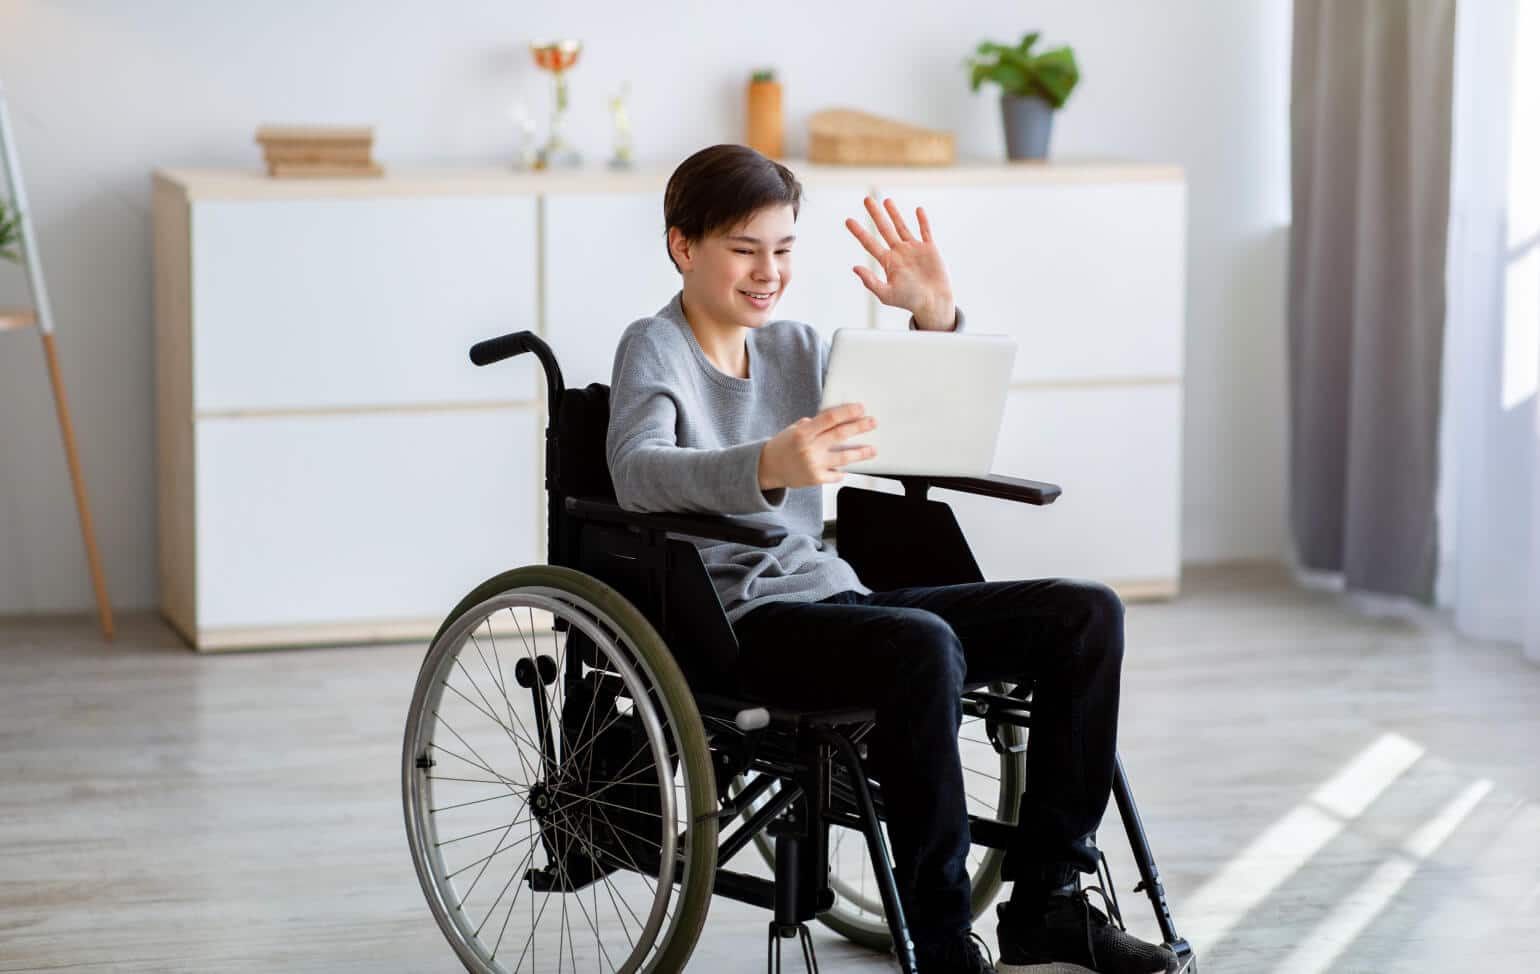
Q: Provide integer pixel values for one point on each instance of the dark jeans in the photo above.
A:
(907, 653)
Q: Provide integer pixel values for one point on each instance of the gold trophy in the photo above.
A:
(557, 57)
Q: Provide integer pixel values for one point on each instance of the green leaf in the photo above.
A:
(10, 222)
(1009, 72)
(1055, 75)
(1051, 75)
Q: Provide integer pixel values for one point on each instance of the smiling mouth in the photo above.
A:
(759, 296)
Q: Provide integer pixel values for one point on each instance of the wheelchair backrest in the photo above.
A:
(668, 582)
(582, 470)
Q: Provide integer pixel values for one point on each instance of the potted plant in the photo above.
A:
(10, 232)
(1033, 87)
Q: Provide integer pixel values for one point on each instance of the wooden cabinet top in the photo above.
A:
(241, 184)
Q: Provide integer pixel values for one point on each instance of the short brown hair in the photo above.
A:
(719, 187)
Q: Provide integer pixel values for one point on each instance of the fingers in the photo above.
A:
(854, 454)
(868, 241)
(881, 222)
(873, 285)
(835, 415)
(898, 220)
(919, 213)
(849, 429)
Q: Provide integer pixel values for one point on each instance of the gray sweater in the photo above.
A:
(685, 436)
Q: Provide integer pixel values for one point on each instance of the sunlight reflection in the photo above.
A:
(1280, 851)
(1351, 914)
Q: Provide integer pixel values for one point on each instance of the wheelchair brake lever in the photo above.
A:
(992, 729)
(998, 710)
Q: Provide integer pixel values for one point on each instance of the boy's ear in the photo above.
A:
(680, 247)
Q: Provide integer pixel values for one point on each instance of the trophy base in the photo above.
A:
(559, 157)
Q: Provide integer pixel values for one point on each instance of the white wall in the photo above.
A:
(103, 92)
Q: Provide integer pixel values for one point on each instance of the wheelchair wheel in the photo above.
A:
(559, 796)
(994, 783)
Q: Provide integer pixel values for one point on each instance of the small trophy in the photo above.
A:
(622, 122)
(557, 57)
(525, 124)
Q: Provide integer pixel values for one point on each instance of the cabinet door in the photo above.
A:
(347, 302)
(606, 266)
(1089, 279)
(311, 520)
(1116, 452)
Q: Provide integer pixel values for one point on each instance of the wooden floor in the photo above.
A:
(1324, 792)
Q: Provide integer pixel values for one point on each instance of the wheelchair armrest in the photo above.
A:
(995, 485)
(739, 530)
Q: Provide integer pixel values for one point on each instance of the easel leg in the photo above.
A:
(87, 528)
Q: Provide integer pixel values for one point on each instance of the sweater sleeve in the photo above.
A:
(956, 326)
(651, 471)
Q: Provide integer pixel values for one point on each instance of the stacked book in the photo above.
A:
(311, 151)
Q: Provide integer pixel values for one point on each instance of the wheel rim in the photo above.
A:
(993, 791)
(572, 879)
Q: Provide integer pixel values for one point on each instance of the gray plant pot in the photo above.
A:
(1028, 124)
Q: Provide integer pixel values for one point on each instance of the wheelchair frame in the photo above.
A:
(814, 757)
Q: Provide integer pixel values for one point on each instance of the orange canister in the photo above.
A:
(765, 127)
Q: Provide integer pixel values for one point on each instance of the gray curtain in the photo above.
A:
(1370, 118)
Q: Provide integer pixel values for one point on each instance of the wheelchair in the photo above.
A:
(580, 765)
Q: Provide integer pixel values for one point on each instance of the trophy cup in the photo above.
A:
(621, 120)
(557, 57)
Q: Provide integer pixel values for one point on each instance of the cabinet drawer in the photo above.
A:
(335, 519)
(1117, 453)
(324, 303)
(1090, 279)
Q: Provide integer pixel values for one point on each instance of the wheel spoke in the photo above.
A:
(495, 852)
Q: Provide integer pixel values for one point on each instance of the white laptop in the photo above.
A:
(938, 397)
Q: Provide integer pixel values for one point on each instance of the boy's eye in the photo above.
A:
(785, 251)
(740, 250)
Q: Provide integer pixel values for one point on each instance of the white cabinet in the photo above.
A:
(390, 517)
(605, 265)
(1114, 452)
(331, 466)
(310, 304)
(333, 469)
(1087, 277)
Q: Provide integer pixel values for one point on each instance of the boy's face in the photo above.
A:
(736, 276)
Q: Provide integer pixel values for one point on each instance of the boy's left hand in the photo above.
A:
(916, 278)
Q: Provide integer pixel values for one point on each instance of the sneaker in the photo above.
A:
(959, 955)
(1071, 935)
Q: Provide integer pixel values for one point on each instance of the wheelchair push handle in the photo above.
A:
(494, 350)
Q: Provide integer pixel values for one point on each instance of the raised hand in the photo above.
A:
(916, 278)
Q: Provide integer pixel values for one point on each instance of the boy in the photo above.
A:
(714, 407)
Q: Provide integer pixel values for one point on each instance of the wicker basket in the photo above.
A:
(844, 137)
